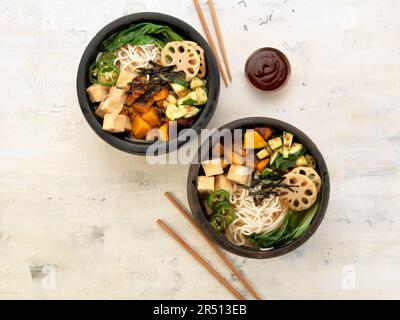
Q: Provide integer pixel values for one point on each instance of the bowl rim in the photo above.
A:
(92, 49)
(200, 216)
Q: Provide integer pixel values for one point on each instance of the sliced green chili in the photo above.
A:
(105, 63)
(217, 197)
(108, 76)
(107, 56)
(230, 215)
(218, 222)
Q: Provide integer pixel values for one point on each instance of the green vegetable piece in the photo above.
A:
(227, 210)
(201, 96)
(190, 111)
(217, 198)
(181, 82)
(267, 172)
(190, 99)
(270, 239)
(148, 39)
(108, 76)
(275, 143)
(296, 147)
(218, 222)
(173, 112)
(306, 221)
(294, 226)
(141, 33)
(262, 154)
(287, 143)
(180, 90)
(273, 157)
(197, 83)
(281, 163)
(230, 216)
(301, 161)
(107, 56)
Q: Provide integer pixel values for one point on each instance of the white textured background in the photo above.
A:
(84, 213)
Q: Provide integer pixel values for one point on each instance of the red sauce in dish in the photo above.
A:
(267, 69)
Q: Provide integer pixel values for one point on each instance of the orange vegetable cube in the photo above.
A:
(153, 116)
(140, 127)
(161, 95)
(266, 132)
(143, 107)
(253, 140)
(262, 165)
(164, 131)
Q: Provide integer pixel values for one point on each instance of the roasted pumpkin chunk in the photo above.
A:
(153, 116)
(164, 131)
(143, 107)
(265, 132)
(140, 127)
(253, 140)
(262, 165)
(161, 95)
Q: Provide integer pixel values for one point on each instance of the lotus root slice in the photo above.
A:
(200, 52)
(183, 56)
(309, 173)
(303, 194)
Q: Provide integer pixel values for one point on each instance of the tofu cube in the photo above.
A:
(114, 123)
(128, 124)
(124, 98)
(205, 184)
(240, 174)
(109, 106)
(97, 92)
(222, 183)
(213, 167)
(124, 78)
(117, 94)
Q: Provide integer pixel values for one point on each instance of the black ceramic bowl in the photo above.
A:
(198, 210)
(122, 141)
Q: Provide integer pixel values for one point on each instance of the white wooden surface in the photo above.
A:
(84, 213)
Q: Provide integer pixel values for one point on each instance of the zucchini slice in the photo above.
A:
(273, 157)
(180, 90)
(197, 83)
(275, 143)
(296, 148)
(172, 99)
(173, 112)
(262, 154)
(202, 97)
(287, 143)
(301, 161)
(190, 99)
(189, 110)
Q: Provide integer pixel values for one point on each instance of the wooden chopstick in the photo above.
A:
(199, 258)
(228, 263)
(220, 39)
(210, 39)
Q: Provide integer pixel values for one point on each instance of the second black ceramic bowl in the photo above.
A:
(121, 141)
(198, 210)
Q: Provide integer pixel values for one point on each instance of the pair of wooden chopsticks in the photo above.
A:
(228, 263)
(211, 41)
